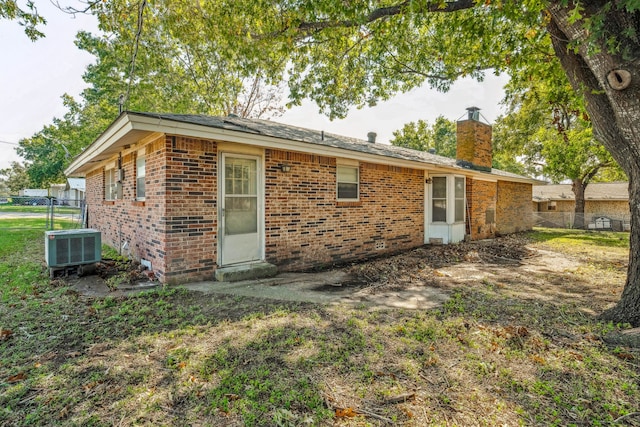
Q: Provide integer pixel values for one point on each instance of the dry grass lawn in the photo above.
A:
(518, 343)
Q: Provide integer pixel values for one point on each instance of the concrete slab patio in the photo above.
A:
(331, 287)
(327, 287)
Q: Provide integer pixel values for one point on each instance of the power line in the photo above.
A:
(10, 143)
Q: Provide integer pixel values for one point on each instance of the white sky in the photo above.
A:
(35, 75)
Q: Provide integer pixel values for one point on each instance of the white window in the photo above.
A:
(447, 193)
(439, 199)
(347, 178)
(112, 188)
(459, 199)
(140, 175)
(551, 206)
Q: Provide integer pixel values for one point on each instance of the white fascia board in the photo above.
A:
(118, 129)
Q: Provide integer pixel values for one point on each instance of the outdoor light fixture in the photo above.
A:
(428, 181)
(285, 168)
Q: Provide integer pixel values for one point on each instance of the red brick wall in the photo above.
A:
(513, 207)
(191, 215)
(127, 220)
(481, 201)
(306, 227)
(176, 226)
(474, 143)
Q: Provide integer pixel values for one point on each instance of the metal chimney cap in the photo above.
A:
(371, 137)
(474, 113)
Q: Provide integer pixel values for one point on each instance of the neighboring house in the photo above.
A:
(75, 191)
(57, 191)
(554, 204)
(197, 196)
(34, 192)
(70, 193)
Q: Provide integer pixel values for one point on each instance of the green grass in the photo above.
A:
(37, 223)
(39, 209)
(581, 238)
(495, 354)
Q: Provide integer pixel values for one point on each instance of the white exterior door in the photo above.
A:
(241, 201)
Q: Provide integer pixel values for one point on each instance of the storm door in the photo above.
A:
(240, 209)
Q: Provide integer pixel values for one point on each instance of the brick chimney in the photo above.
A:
(473, 149)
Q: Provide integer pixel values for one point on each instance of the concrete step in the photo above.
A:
(236, 273)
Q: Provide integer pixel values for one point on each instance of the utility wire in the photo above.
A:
(10, 143)
(135, 52)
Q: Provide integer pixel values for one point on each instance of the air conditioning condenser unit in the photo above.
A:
(71, 248)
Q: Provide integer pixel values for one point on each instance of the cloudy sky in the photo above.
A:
(35, 75)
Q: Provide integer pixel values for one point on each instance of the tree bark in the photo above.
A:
(578, 187)
(614, 114)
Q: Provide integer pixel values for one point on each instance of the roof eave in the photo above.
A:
(130, 127)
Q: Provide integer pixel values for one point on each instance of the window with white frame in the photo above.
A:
(347, 178)
(448, 192)
(439, 199)
(140, 175)
(459, 199)
(111, 185)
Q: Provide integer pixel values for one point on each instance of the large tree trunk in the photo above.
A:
(578, 187)
(614, 112)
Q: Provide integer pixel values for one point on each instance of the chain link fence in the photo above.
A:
(41, 213)
(590, 221)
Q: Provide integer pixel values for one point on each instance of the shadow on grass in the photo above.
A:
(522, 352)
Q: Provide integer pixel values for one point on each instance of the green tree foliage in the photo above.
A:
(548, 129)
(414, 135)
(27, 17)
(15, 178)
(142, 65)
(153, 57)
(439, 137)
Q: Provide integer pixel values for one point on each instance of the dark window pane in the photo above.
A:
(439, 187)
(439, 211)
(347, 190)
(459, 210)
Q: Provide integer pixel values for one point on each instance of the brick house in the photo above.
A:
(194, 196)
(555, 204)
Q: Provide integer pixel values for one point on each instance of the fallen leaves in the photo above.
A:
(17, 378)
(5, 334)
(346, 413)
(624, 356)
(384, 272)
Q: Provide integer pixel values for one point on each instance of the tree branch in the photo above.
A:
(381, 13)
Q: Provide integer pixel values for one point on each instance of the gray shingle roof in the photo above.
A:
(294, 133)
(594, 191)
